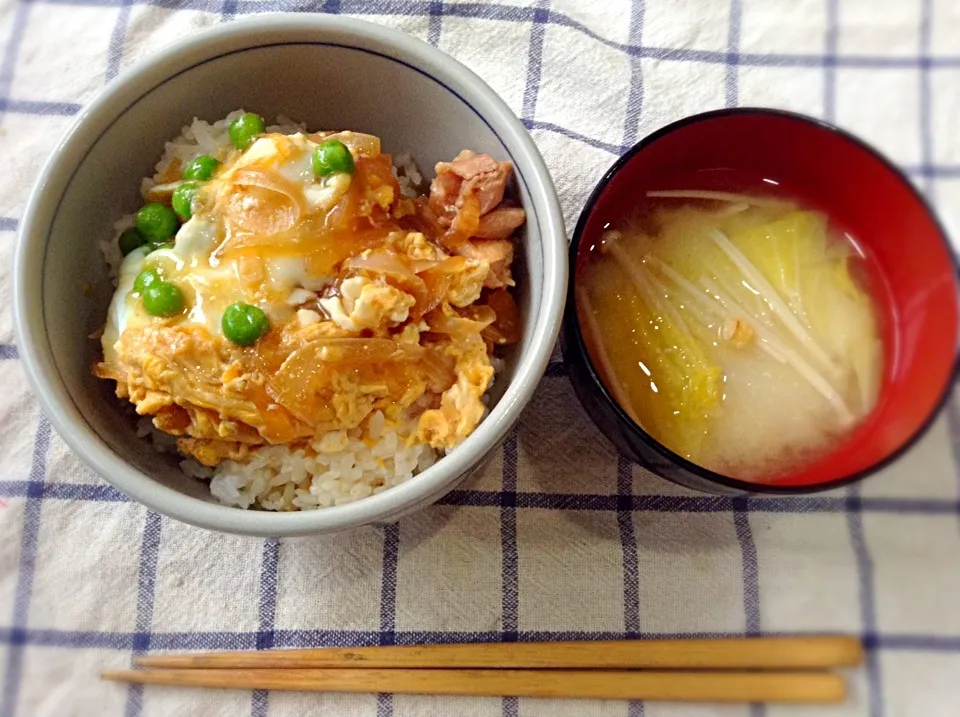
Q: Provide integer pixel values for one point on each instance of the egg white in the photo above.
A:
(211, 286)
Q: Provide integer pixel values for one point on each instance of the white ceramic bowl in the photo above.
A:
(330, 73)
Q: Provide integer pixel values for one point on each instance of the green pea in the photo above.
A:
(243, 324)
(332, 157)
(130, 239)
(144, 279)
(244, 129)
(183, 200)
(161, 298)
(201, 168)
(156, 222)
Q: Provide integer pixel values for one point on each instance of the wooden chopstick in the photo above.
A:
(761, 653)
(807, 687)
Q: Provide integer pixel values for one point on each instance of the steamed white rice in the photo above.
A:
(338, 467)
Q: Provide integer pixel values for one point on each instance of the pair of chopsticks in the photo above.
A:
(770, 669)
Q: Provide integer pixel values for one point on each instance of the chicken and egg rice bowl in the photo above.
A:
(305, 322)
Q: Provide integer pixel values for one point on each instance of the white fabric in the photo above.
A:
(87, 578)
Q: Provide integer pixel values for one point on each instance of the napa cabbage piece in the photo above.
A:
(674, 388)
(778, 273)
(782, 249)
(813, 275)
(842, 315)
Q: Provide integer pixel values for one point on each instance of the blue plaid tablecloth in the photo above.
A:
(557, 538)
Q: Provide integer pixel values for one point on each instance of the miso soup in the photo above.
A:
(737, 330)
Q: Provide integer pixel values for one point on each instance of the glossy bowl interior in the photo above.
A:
(329, 73)
(914, 282)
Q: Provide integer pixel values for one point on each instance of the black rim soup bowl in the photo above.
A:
(832, 171)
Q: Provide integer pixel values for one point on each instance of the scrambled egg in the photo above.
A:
(374, 303)
(363, 304)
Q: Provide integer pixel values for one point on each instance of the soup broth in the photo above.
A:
(736, 329)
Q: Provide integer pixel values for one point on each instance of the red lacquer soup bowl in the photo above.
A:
(912, 275)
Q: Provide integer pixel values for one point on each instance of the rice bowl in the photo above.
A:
(375, 71)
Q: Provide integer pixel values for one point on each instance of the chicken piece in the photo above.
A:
(363, 304)
(468, 164)
(444, 193)
(469, 174)
(500, 223)
(497, 253)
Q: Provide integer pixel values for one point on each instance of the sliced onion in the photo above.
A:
(450, 265)
(467, 220)
(380, 262)
(272, 181)
(438, 276)
(356, 350)
(473, 320)
(424, 220)
(438, 369)
(262, 202)
(279, 426)
(479, 314)
(304, 382)
(161, 192)
(464, 225)
(344, 214)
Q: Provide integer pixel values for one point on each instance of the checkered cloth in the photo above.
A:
(558, 538)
